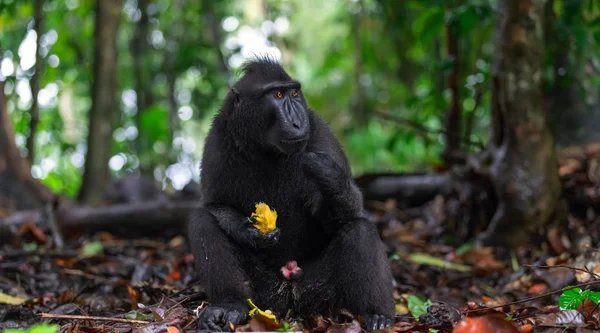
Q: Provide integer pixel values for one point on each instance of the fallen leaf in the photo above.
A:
(172, 329)
(492, 323)
(37, 234)
(175, 275)
(7, 299)
(527, 328)
(564, 317)
(537, 288)
(352, 327)
(426, 259)
(177, 241)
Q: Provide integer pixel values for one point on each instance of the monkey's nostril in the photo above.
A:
(296, 125)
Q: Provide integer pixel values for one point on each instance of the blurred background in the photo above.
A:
(386, 75)
(462, 119)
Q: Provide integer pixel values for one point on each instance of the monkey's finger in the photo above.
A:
(232, 318)
(213, 326)
(274, 235)
(252, 219)
(209, 325)
(388, 323)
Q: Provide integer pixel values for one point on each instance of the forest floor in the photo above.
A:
(102, 282)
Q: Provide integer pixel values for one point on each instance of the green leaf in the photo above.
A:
(154, 124)
(594, 296)
(93, 248)
(466, 247)
(570, 299)
(417, 305)
(136, 315)
(467, 20)
(40, 328)
(30, 247)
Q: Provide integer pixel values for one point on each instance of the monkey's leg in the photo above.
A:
(219, 268)
(353, 273)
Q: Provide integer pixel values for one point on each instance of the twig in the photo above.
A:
(76, 317)
(86, 275)
(57, 235)
(596, 276)
(536, 297)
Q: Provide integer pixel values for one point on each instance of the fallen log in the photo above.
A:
(143, 218)
(409, 190)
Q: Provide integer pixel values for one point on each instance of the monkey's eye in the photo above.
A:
(278, 94)
(294, 93)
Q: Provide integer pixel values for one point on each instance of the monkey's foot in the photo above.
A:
(215, 318)
(376, 322)
(291, 270)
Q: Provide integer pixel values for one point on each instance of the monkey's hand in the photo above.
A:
(241, 228)
(341, 199)
(256, 238)
(327, 174)
(221, 319)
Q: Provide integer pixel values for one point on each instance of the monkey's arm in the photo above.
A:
(240, 228)
(339, 200)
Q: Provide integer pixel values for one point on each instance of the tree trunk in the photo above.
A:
(173, 114)
(18, 189)
(359, 104)
(38, 17)
(523, 163)
(139, 50)
(104, 100)
(453, 114)
(215, 33)
(567, 110)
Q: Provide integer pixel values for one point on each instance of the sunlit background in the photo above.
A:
(377, 71)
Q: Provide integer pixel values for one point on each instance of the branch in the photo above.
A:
(420, 128)
(72, 317)
(535, 297)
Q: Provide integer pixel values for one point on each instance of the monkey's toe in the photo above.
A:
(377, 322)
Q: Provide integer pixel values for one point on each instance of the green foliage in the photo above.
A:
(92, 248)
(370, 57)
(417, 305)
(286, 328)
(39, 328)
(571, 298)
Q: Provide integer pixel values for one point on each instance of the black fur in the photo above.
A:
(319, 217)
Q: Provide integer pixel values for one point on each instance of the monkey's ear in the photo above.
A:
(236, 96)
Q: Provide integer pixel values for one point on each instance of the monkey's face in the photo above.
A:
(289, 125)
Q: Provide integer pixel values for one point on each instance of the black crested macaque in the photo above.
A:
(266, 145)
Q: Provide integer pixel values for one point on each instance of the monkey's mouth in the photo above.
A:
(293, 141)
(292, 146)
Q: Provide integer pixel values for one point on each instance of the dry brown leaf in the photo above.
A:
(492, 323)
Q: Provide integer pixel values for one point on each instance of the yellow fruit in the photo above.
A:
(265, 217)
(254, 310)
